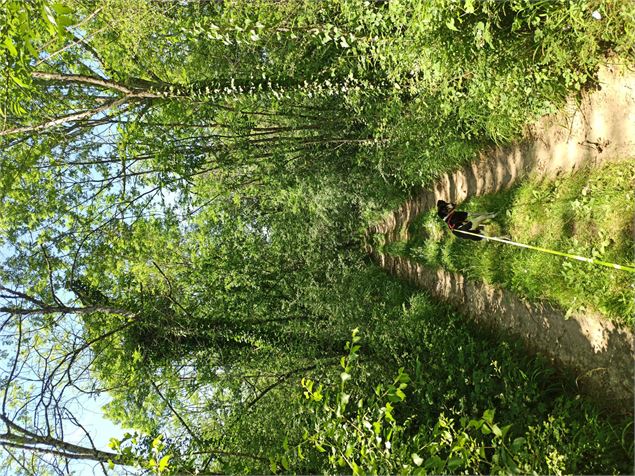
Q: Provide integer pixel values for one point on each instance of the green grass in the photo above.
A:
(589, 213)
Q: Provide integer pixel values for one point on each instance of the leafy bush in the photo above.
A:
(372, 433)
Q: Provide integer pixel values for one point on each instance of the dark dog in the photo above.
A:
(462, 221)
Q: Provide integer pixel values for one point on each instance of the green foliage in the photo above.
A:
(370, 433)
(363, 435)
(453, 369)
(193, 179)
(29, 32)
(135, 450)
(472, 73)
(357, 434)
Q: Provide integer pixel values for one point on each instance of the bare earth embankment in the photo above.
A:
(600, 128)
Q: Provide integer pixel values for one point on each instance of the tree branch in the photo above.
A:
(81, 79)
(68, 118)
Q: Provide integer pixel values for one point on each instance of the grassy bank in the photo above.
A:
(589, 213)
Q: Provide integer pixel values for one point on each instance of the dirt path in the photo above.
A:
(600, 128)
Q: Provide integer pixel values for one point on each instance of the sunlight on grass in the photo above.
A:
(589, 213)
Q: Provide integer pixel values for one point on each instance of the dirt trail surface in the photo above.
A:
(598, 128)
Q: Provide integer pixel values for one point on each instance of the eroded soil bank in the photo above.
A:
(598, 129)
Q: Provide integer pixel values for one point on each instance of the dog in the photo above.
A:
(459, 221)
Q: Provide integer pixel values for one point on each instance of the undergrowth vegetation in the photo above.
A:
(471, 73)
(491, 409)
(589, 213)
(420, 389)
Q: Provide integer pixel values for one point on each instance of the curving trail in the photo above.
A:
(600, 128)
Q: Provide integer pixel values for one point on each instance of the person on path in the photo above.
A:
(462, 221)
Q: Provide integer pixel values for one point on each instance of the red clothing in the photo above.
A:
(456, 220)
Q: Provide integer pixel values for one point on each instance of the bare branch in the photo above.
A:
(104, 83)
